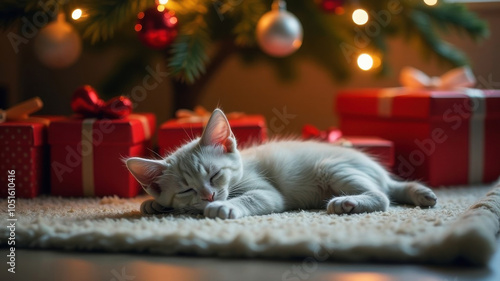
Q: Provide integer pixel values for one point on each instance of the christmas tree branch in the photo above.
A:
(325, 39)
(188, 54)
(455, 16)
(248, 14)
(188, 95)
(424, 33)
(204, 22)
(107, 15)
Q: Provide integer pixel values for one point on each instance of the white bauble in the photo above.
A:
(279, 32)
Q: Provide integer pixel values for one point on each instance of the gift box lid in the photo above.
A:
(22, 133)
(363, 141)
(412, 104)
(131, 130)
(29, 132)
(248, 129)
(380, 148)
(248, 121)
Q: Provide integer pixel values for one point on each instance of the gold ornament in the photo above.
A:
(58, 45)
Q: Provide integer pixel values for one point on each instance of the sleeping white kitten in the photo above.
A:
(210, 175)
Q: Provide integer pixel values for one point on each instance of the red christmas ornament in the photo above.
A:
(86, 101)
(332, 6)
(156, 27)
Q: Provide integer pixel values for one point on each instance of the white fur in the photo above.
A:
(273, 177)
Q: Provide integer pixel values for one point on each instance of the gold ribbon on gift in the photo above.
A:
(21, 112)
(145, 124)
(88, 157)
(476, 135)
(201, 115)
(88, 182)
(385, 99)
(458, 79)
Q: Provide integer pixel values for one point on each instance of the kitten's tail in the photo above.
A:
(411, 192)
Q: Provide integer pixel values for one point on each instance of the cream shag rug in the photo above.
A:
(462, 227)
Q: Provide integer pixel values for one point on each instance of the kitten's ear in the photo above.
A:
(218, 132)
(145, 171)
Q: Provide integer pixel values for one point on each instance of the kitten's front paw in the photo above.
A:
(341, 205)
(221, 209)
(151, 207)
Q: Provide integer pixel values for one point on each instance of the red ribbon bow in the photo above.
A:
(331, 135)
(86, 101)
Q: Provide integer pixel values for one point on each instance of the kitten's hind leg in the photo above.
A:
(369, 201)
(354, 189)
(412, 193)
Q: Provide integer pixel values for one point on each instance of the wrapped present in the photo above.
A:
(443, 135)
(379, 149)
(87, 153)
(23, 150)
(248, 129)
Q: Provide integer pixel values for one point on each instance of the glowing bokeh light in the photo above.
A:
(360, 16)
(77, 13)
(365, 62)
(431, 2)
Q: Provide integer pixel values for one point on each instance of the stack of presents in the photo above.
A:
(436, 130)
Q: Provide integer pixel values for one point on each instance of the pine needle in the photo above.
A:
(189, 51)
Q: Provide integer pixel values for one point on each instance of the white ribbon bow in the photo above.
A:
(461, 77)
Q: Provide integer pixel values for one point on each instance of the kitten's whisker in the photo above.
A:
(155, 153)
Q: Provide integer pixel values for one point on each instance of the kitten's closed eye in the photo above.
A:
(186, 191)
(215, 176)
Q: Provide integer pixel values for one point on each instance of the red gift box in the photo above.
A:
(87, 154)
(23, 149)
(441, 137)
(381, 150)
(248, 130)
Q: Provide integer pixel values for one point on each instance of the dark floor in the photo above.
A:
(76, 266)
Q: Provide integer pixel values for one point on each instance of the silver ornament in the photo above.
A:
(279, 32)
(58, 45)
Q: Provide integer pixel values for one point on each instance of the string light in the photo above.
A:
(161, 5)
(77, 13)
(365, 62)
(138, 26)
(430, 2)
(360, 16)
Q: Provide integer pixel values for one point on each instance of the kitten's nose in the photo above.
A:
(208, 196)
